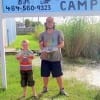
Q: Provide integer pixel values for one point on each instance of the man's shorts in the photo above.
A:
(27, 78)
(53, 67)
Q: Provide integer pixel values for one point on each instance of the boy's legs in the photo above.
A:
(24, 82)
(31, 82)
(24, 91)
(33, 91)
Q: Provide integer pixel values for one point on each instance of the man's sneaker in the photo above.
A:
(21, 98)
(45, 90)
(62, 92)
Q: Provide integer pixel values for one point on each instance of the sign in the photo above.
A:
(43, 6)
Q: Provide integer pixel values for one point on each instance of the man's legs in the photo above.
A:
(60, 82)
(45, 73)
(45, 82)
(57, 73)
(61, 86)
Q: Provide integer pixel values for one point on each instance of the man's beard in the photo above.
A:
(48, 28)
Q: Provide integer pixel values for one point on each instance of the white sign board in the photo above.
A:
(51, 6)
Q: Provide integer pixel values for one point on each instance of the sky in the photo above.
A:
(58, 20)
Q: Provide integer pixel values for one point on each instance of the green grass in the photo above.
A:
(76, 89)
(33, 41)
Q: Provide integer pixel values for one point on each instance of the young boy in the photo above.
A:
(25, 57)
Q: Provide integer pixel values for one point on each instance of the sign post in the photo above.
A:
(2, 52)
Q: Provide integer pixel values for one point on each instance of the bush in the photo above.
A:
(81, 38)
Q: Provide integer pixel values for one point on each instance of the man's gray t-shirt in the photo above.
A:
(52, 40)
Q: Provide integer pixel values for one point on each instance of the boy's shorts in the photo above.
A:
(53, 67)
(27, 78)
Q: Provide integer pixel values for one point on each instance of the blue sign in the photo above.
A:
(39, 6)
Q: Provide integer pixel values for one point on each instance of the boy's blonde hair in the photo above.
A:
(25, 41)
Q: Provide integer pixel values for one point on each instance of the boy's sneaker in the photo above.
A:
(45, 90)
(35, 98)
(62, 92)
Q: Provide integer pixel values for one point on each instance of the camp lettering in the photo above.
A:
(78, 5)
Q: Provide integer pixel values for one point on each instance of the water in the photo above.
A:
(86, 74)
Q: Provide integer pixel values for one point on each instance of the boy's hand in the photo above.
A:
(19, 57)
(30, 57)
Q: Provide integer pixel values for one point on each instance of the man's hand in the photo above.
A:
(45, 44)
(44, 55)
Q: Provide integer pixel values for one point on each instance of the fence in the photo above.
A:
(24, 30)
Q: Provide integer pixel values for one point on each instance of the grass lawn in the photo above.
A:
(33, 41)
(76, 89)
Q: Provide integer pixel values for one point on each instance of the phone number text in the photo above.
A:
(28, 8)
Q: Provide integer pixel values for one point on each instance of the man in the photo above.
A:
(51, 41)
